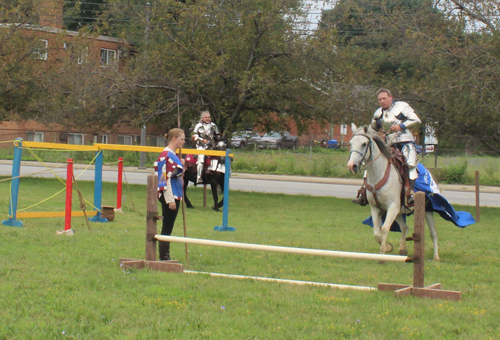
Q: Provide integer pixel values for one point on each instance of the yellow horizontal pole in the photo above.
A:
(119, 147)
(60, 146)
(157, 149)
(53, 214)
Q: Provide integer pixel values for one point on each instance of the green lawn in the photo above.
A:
(72, 287)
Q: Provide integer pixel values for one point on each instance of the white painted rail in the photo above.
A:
(287, 250)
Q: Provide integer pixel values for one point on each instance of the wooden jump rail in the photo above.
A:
(287, 250)
(417, 289)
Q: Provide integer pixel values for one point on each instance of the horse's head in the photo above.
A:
(220, 144)
(363, 143)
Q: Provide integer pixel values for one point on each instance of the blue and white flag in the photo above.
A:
(425, 183)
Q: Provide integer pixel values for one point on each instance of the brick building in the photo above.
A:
(54, 44)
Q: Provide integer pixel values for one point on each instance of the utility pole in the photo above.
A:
(143, 128)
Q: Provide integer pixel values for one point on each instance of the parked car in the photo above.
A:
(243, 138)
(279, 140)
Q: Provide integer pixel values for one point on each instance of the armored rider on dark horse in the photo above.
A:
(205, 135)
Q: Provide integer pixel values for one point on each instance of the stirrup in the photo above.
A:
(361, 200)
(410, 200)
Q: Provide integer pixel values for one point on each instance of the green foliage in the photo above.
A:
(455, 172)
(73, 287)
(240, 60)
(323, 163)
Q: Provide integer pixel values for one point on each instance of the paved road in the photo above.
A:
(293, 185)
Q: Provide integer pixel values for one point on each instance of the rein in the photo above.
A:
(383, 181)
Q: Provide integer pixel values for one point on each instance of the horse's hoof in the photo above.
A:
(437, 259)
(390, 247)
(403, 252)
(190, 207)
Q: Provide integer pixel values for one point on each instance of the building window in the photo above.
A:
(83, 55)
(125, 140)
(41, 51)
(32, 136)
(104, 139)
(108, 57)
(76, 138)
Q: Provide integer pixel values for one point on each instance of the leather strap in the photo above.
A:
(379, 185)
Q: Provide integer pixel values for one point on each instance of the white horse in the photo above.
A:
(384, 186)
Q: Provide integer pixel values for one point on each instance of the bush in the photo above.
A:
(455, 172)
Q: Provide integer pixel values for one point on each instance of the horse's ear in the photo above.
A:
(353, 127)
(365, 129)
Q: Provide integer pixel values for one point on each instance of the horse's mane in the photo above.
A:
(368, 132)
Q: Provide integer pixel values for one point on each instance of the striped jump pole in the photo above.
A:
(287, 250)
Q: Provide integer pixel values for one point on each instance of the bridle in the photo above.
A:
(363, 155)
(373, 189)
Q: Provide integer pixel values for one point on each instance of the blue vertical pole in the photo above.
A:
(225, 207)
(14, 189)
(98, 189)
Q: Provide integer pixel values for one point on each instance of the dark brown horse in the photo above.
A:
(212, 175)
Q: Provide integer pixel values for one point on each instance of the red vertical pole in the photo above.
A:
(120, 185)
(69, 194)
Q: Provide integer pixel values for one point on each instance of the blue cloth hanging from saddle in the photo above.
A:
(434, 201)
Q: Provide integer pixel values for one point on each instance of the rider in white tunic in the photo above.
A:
(204, 135)
(395, 119)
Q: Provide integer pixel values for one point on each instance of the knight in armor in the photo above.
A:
(205, 134)
(395, 119)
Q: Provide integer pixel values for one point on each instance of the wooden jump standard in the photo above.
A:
(433, 291)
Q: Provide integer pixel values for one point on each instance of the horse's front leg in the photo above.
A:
(377, 223)
(186, 199)
(220, 181)
(390, 216)
(404, 233)
(213, 186)
(429, 217)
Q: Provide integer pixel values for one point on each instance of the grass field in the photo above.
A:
(72, 287)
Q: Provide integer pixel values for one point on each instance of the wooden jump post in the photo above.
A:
(432, 291)
(151, 219)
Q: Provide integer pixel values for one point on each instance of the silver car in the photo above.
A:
(243, 138)
(278, 140)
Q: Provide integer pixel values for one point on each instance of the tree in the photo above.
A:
(243, 61)
(20, 62)
(446, 67)
(79, 14)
